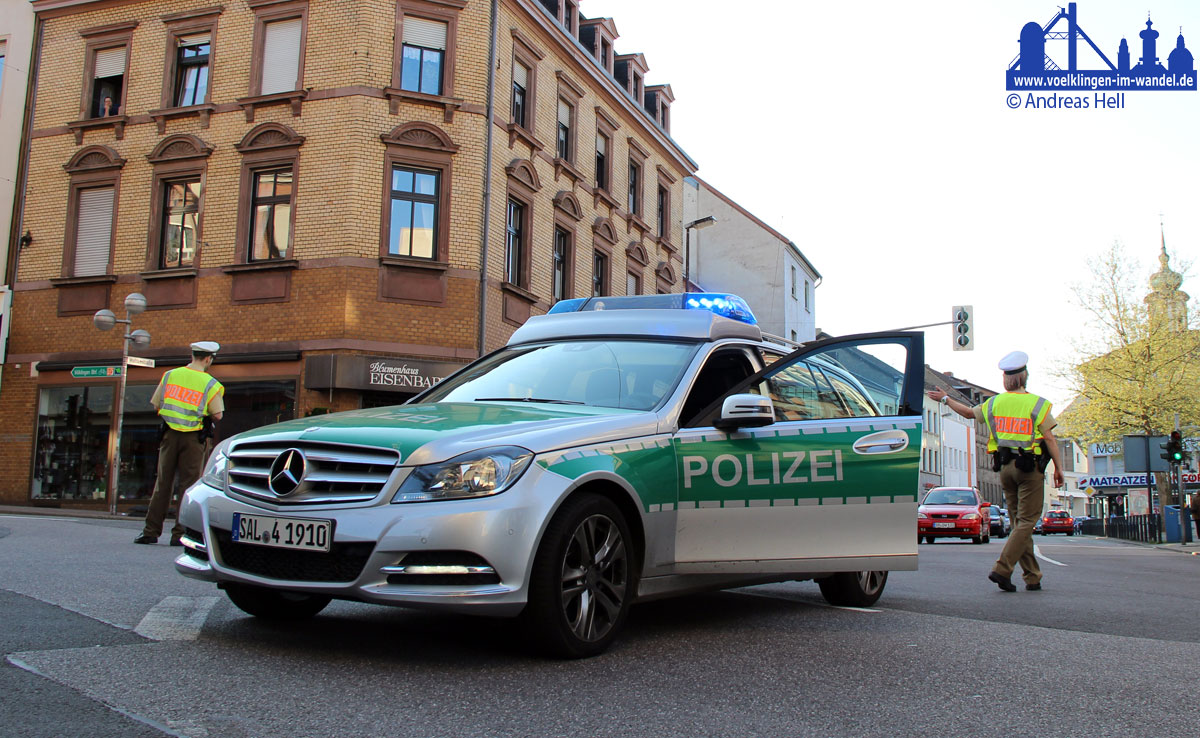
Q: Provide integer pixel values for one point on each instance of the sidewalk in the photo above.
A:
(59, 512)
(1192, 548)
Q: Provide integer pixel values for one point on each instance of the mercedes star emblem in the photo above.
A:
(287, 472)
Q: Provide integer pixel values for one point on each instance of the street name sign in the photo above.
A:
(90, 372)
(139, 361)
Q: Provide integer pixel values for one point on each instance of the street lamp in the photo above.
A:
(697, 224)
(105, 320)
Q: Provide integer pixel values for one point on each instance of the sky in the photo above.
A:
(877, 136)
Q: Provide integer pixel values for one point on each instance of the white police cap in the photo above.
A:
(206, 347)
(1014, 363)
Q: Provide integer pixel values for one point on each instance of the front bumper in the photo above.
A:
(961, 528)
(371, 542)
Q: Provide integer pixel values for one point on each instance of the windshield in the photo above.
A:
(950, 497)
(634, 375)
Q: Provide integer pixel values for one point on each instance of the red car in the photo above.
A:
(1058, 521)
(953, 512)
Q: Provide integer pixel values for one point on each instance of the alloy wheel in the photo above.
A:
(595, 578)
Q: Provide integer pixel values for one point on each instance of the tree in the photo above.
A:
(1140, 357)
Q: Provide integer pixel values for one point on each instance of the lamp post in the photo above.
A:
(697, 224)
(105, 320)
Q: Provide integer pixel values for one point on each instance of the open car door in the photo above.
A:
(810, 465)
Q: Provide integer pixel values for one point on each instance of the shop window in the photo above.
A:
(253, 404)
(71, 457)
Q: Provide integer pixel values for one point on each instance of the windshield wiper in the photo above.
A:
(527, 399)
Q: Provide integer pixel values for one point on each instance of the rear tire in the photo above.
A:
(853, 588)
(583, 579)
(274, 604)
(930, 539)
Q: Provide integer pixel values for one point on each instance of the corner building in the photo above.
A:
(338, 192)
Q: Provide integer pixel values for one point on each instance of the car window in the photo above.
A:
(949, 497)
(722, 371)
(620, 374)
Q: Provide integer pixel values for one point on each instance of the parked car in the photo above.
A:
(1000, 526)
(953, 512)
(1058, 521)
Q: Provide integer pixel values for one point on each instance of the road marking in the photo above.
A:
(1038, 553)
(176, 618)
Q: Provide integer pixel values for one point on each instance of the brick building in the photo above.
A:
(338, 192)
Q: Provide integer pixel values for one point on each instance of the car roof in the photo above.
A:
(689, 325)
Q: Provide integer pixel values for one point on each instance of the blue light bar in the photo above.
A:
(726, 305)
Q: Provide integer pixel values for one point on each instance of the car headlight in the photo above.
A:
(971, 516)
(921, 516)
(214, 469)
(479, 473)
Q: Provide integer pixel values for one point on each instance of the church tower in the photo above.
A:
(1166, 301)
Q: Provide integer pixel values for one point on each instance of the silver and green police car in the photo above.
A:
(616, 450)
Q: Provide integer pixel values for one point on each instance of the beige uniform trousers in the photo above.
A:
(1024, 493)
(180, 459)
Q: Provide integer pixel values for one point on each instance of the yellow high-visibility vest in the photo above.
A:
(1013, 421)
(186, 393)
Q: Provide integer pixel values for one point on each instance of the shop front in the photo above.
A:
(378, 380)
(76, 424)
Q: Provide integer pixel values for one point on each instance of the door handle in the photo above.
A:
(883, 442)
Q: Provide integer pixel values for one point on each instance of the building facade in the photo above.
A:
(741, 254)
(16, 42)
(948, 450)
(353, 198)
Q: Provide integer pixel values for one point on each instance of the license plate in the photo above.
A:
(293, 533)
(943, 525)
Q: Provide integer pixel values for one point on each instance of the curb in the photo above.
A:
(59, 512)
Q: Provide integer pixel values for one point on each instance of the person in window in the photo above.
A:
(187, 399)
(1019, 438)
(107, 108)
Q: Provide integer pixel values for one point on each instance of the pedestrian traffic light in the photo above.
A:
(964, 337)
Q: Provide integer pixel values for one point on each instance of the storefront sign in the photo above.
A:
(374, 373)
(1116, 480)
(1108, 449)
(90, 372)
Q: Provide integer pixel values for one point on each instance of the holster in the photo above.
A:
(206, 429)
(1043, 460)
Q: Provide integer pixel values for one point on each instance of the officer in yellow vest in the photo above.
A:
(1019, 433)
(184, 399)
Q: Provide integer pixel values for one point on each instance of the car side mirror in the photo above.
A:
(745, 411)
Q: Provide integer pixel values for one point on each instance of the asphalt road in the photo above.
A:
(118, 644)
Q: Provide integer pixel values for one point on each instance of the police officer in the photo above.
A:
(186, 399)
(1019, 438)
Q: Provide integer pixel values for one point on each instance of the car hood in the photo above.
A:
(428, 433)
(944, 509)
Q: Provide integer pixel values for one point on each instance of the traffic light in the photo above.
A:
(964, 337)
(1175, 447)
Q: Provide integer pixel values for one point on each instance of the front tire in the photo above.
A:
(853, 588)
(274, 604)
(583, 579)
(930, 539)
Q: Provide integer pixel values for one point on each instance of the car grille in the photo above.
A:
(334, 473)
(944, 516)
(343, 563)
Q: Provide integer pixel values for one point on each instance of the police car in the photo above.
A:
(616, 450)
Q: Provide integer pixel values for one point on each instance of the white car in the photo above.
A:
(614, 451)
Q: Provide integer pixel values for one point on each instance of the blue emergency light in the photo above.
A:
(729, 306)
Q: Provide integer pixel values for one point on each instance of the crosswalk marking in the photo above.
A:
(176, 618)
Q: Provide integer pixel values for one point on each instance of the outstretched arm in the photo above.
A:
(962, 409)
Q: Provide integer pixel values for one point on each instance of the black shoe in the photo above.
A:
(1003, 583)
(175, 541)
(150, 540)
(1035, 587)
